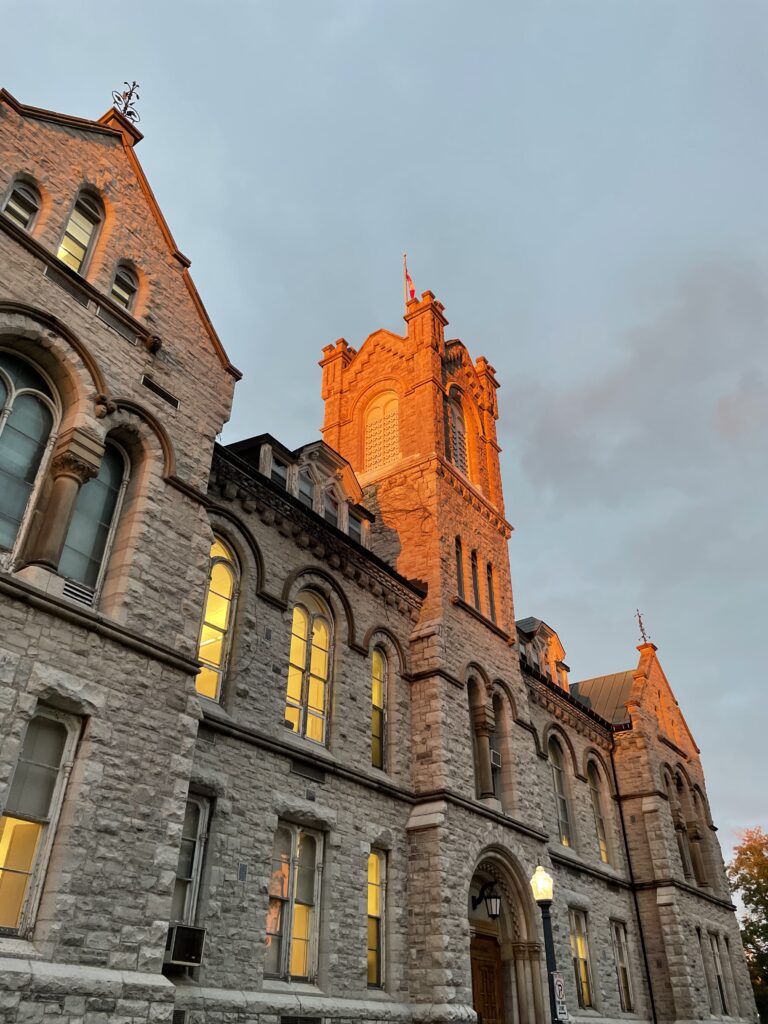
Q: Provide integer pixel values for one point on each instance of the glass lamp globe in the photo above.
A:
(542, 885)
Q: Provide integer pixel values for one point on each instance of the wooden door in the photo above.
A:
(487, 992)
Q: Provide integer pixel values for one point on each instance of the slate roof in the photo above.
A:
(606, 695)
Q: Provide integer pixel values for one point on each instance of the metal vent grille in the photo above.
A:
(179, 1017)
(159, 391)
(71, 287)
(301, 1020)
(77, 592)
(116, 324)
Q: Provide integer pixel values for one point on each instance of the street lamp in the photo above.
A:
(543, 887)
(492, 900)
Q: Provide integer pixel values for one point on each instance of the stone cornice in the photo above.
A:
(563, 708)
(236, 481)
(472, 497)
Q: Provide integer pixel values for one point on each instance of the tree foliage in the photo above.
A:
(748, 874)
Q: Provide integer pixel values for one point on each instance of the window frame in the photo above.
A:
(459, 557)
(91, 205)
(35, 884)
(227, 633)
(53, 402)
(489, 579)
(305, 473)
(289, 903)
(457, 435)
(560, 790)
(380, 919)
(29, 193)
(473, 565)
(129, 274)
(304, 601)
(717, 964)
(382, 708)
(594, 781)
(380, 453)
(192, 893)
(578, 929)
(620, 942)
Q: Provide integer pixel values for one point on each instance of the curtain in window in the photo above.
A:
(293, 898)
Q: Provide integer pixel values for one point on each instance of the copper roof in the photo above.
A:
(606, 695)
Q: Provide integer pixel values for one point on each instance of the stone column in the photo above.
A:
(75, 461)
(484, 773)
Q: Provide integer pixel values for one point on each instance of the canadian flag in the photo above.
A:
(410, 288)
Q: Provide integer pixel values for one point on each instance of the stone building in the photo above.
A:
(269, 731)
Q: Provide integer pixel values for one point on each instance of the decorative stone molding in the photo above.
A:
(491, 868)
(561, 710)
(73, 465)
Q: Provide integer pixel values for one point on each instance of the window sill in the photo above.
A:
(18, 949)
(461, 603)
(295, 988)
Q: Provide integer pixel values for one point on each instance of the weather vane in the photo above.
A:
(644, 638)
(124, 101)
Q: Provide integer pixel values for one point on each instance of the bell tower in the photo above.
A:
(416, 418)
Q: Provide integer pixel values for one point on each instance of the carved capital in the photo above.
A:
(72, 465)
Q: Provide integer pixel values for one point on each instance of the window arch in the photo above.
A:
(96, 512)
(218, 616)
(555, 752)
(81, 231)
(125, 285)
(457, 435)
(595, 792)
(309, 668)
(382, 433)
(378, 707)
(23, 204)
(27, 428)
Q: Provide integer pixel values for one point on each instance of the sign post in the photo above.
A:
(558, 987)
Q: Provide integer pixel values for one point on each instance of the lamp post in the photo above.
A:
(543, 888)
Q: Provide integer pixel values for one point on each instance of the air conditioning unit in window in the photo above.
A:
(495, 759)
(185, 945)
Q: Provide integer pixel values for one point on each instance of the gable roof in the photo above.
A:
(606, 695)
(114, 124)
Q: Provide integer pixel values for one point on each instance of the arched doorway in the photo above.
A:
(505, 953)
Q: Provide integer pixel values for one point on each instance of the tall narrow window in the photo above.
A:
(377, 870)
(309, 669)
(597, 811)
(80, 233)
(190, 866)
(30, 815)
(621, 957)
(331, 508)
(580, 956)
(26, 425)
(355, 527)
(718, 966)
(216, 630)
(495, 745)
(96, 511)
(459, 568)
(22, 205)
(378, 696)
(279, 472)
(475, 580)
(124, 287)
(306, 488)
(294, 895)
(382, 437)
(458, 435)
(491, 594)
(561, 797)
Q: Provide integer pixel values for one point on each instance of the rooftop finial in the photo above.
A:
(644, 638)
(125, 101)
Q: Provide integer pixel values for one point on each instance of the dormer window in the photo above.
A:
(279, 473)
(124, 287)
(331, 509)
(306, 488)
(23, 205)
(355, 527)
(80, 233)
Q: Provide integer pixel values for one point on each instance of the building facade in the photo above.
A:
(269, 731)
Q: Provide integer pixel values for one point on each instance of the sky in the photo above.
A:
(582, 183)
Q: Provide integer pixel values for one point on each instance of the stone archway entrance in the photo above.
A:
(505, 955)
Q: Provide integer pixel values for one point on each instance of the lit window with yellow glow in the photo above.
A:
(30, 815)
(597, 810)
(294, 895)
(580, 957)
(80, 233)
(382, 432)
(561, 793)
(216, 630)
(378, 697)
(377, 871)
(309, 668)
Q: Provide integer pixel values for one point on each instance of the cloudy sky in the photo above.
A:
(583, 184)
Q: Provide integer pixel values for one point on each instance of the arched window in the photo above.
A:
(475, 581)
(309, 669)
(95, 515)
(378, 698)
(561, 793)
(80, 232)
(27, 420)
(491, 592)
(306, 488)
(458, 436)
(594, 791)
(216, 629)
(497, 761)
(382, 437)
(459, 568)
(124, 287)
(23, 205)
